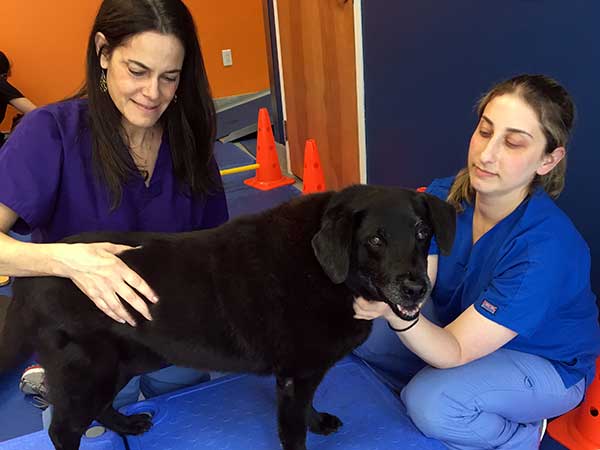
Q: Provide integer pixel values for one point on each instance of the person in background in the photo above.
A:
(10, 95)
(511, 336)
(133, 151)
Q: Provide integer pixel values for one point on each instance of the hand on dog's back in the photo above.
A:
(103, 277)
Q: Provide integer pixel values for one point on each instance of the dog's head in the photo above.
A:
(376, 239)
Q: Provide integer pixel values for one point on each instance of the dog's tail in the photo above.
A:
(15, 346)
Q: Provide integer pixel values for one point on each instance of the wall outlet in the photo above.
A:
(227, 59)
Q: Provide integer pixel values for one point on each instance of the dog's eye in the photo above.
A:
(375, 241)
(423, 232)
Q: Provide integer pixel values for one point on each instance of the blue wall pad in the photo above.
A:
(238, 412)
(41, 441)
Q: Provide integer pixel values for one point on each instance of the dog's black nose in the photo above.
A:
(413, 288)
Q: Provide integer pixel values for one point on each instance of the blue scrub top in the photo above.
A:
(529, 273)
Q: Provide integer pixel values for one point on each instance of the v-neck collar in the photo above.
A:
(499, 225)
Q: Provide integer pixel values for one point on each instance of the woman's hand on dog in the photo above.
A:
(367, 310)
(105, 279)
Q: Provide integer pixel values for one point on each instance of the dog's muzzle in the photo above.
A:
(406, 297)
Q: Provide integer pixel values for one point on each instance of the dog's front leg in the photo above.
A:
(294, 404)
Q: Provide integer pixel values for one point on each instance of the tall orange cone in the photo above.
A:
(580, 428)
(314, 180)
(268, 174)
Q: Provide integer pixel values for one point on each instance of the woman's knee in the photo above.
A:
(431, 407)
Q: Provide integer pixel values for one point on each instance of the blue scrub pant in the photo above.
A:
(150, 385)
(497, 401)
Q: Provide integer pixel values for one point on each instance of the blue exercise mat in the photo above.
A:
(238, 412)
(41, 441)
(249, 144)
(229, 156)
(244, 199)
(241, 198)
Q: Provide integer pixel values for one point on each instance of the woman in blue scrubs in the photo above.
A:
(511, 335)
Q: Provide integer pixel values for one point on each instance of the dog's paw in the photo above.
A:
(324, 423)
(135, 424)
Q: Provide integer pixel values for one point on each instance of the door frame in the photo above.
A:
(274, 72)
(278, 88)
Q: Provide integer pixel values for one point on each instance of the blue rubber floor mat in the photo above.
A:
(41, 441)
(238, 412)
(17, 415)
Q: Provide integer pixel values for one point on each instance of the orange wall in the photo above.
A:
(46, 40)
(237, 25)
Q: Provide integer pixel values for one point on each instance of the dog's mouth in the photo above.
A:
(405, 313)
(405, 307)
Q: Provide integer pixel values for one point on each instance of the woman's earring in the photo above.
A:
(175, 98)
(103, 84)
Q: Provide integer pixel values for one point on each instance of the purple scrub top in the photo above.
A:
(47, 178)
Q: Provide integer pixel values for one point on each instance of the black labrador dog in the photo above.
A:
(270, 293)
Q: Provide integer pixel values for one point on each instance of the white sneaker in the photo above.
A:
(33, 381)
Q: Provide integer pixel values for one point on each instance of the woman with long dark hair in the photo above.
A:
(131, 152)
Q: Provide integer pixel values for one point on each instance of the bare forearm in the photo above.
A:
(27, 259)
(23, 104)
(433, 344)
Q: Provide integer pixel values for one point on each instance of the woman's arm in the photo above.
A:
(94, 268)
(23, 104)
(469, 337)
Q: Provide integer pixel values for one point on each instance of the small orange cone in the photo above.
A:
(314, 180)
(268, 174)
(580, 428)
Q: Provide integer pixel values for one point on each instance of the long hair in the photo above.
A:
(190, 121)
(556, 113)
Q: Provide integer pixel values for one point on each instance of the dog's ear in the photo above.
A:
(333, 242)
(443, 220)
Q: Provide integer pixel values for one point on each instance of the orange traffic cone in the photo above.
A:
(580, 428)
(268, 174)
(314, 180)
